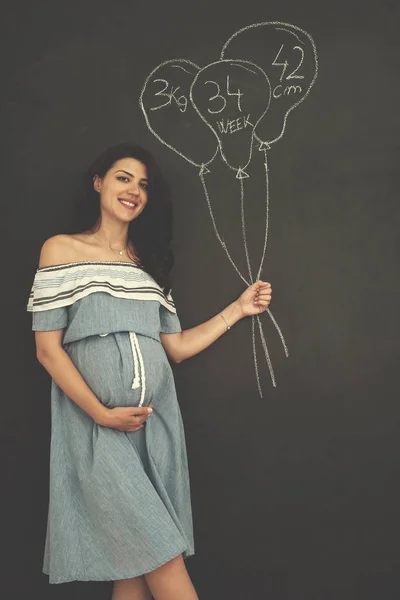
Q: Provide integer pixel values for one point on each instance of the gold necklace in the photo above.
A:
(120, 252)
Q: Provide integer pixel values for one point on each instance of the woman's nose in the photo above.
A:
(134, 189)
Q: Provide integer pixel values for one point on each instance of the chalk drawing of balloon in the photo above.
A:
(233, 106)
(170, 116)
(288, 56)
(231, 97)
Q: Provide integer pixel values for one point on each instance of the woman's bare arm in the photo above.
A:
(58, 364)
(184, 344)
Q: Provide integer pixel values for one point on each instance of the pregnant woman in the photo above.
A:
(105, 326)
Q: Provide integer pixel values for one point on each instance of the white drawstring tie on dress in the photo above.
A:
(138, 363)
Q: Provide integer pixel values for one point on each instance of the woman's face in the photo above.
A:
(123, 189)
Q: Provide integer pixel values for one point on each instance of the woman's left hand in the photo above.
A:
(256, 298)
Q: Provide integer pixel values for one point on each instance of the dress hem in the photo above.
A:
(84, 577)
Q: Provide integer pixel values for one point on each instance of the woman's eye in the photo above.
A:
(121, 177)
(145, 186)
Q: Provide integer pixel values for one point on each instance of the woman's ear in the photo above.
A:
(97, 183)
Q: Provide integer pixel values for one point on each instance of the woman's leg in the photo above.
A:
(131, 589)
(171, 581)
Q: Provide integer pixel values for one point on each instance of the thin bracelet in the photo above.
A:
(227, 326)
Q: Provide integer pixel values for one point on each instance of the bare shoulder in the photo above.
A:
(59, 249)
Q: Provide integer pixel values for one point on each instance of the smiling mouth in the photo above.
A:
(128, 203)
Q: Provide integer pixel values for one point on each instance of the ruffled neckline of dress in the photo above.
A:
(61, 285)
(89, 262)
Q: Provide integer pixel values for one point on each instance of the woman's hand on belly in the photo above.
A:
(126, 418)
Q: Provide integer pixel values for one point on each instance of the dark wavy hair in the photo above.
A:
(150, 232)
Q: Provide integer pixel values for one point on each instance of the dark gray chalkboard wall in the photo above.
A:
(295, 494)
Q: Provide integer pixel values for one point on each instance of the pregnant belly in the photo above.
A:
(122, 369)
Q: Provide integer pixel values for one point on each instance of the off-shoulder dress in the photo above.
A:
(119, 502)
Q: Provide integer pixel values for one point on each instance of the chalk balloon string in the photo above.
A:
(250, 280)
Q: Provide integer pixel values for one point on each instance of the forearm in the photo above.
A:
(194, 340)
(61, 368)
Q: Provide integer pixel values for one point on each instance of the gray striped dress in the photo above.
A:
(119, 502)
